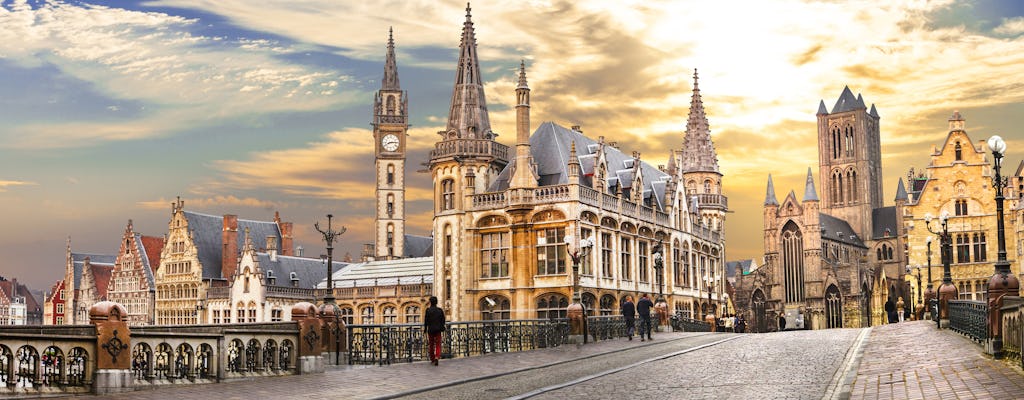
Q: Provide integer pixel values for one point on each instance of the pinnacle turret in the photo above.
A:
(901, 192)
(769, 197)
(390, 81)
(810, 193)
(698, 152)
(467, 117)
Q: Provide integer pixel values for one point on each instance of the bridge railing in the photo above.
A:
(1013, 327)
(968, 317)
(681, 323)
(391, 343)
(606, 327)
(39, 360)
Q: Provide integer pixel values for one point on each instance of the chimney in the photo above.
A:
(299, 251)
(576, 128)
(286, 235)
(229, 239)
(272, 247)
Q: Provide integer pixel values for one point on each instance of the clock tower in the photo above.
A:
(390, 123)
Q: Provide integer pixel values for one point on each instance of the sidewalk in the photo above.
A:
(914, 360)
(395, 380)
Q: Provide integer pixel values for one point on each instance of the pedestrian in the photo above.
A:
(782, 322)
(900, 307)
(643, 307)
(890, 310)
(433, 323)
(729, 323)
(741, 324)
(629, 314)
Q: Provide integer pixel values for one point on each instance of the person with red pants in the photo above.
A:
(433, 323)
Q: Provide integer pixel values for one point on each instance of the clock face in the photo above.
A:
(389, 142)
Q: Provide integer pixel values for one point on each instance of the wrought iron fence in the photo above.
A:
(606, 327)
(968, 317)
(386, 344)
(681, 323)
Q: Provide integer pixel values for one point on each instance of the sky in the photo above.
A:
(111, 110)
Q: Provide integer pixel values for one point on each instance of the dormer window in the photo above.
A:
(295, 279)
(628, 163)
(270, 278)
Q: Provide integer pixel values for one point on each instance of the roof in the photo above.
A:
(847, 102)
(901, 191)
(835, 229)
(403, 271)
(149, 248)
(309, 271)
(419, 246)
(550, 147)
(742, 265)
(883, 219)
(207, 233)
(101, 276)
(810, 193)
(77, 260)
(769, 197)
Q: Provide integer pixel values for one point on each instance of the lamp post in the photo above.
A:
(947, 291)
(660, 306)
(920, 302)
(710, 317)
(575, 312)
(1003, 282)
(929, 293)
(329, 236)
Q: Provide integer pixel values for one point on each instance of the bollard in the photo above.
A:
(113, 345)
(311, 359)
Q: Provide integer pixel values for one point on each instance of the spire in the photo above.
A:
(467, 117)
(769, 198)
(901, 192)
(873, 112)
(846, 101)
(390, 81)
(810, 194)
(522, 75)
(671, 168)
(523, 174)
(698, 151)
(574, 165)
(821, 108)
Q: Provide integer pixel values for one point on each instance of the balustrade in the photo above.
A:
(469, 148)
(1013, 327)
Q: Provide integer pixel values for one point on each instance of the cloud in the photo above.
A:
(5, 184)
(184, 80)
(230, 201)
(1010, 26)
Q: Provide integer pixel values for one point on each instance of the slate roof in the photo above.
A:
(392, 272)
(78, 259)
(419, 246)
(207, 234)
(881, 219)
(550, 147)
(901, 191)
(742, 265)
(847, 102)
(835, 229)
(309, 271)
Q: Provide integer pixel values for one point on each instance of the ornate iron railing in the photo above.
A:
(680, 323)
(968, 317)
(386, 344)
(606, 327)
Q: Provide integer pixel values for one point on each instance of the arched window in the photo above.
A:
(833, 307)
(608, 305)
(366, 315)
(589, 303)
(793, 262)
(412, 314)
(851, 180)
(837, 143)
(391, 174)
(494, 307)
(959, 152)
(391, 105)
(391, 239)
(707, 186)
(391, 205)
(849, 141)
(389, 315)
(447, 194)
(552, 306)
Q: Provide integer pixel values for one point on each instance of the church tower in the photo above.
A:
(699, 166)
(390, 124)
(850, 161)
(464, 162)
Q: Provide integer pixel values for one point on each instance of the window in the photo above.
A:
(606, 255)
(497, 308)
(959, 152)
(551, 253)
(961, 207)
(494, 255)
(60, 320)
(586, 267)
(608, 305)
(391, 174)
(60, 308)
(227, 316)
(367, 316)
(792, 253)
(276, 315)
(980, 247)
(447, 240)
(707, 186)
(625, 258)
(62, 294)
(346, 315)
(447, 194)
(391, 205)
(389, 315)
(642, 251)
(963, 248)
(552, 306)
(412, 314)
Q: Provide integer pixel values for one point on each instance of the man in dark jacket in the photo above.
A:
(629, 314)
(433, 323)
(643, 307)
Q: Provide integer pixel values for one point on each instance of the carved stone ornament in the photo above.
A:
(115, 346)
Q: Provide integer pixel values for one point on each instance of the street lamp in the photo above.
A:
(1003, 282)
(659, 266)
(575, 312)
(947, 291)
(329, 236)
(920, 302)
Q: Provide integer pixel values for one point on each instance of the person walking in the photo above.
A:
(890, 310)
(433, 323)
(741, 324)
(643, 307)
(628, 312)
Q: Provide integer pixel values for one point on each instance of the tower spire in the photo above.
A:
(698, 150)
(810, 193)
(467, 117)
(390, 81)
(769, 197)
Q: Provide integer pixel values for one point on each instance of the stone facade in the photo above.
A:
(132, 284)
(390, 126)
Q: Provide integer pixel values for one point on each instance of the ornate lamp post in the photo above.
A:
(929, 293)
(947, 291)
(710, 317)
(575, 312)
(329, 236)
(918, 310)
(660, 306)
(1003, 282)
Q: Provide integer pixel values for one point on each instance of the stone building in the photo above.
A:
(202, 251)
(831, 261)
(86, 278)
(958, 182)
(265, 285)
(502, 219)
(17, 304)
(132, 283)
(54, 302)
(384, 291)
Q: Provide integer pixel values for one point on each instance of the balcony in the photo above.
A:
(712, 201)
(465, 148)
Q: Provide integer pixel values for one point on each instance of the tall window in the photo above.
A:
(963, 248)
(851, 180)
(837, 143)
(961, 207)
(552, 306)
(959, 152)
(389, 315)
(346, 315)
(447, 194)
(412, 314)
(849, 141)
(391, 239)
(586, 267)
(391, 174)
(447, 241)
(833, 308)
(606, 255)
(678, 267)
(551, 253)
(980, 247)
(494, 254)
(625, 258)
(367, 315)
(793, 262)
(642, 251)
(707, 186)
(391, 204)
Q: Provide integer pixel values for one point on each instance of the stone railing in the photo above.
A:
(292, 292)
(108, 356)
(386, 344)
(469, 148)
(487, 201)
(218, 292)
(706, 233)
(375, 291)
(968, 317)
(716, 201)
(1013, 328)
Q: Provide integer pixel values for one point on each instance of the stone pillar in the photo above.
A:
(333, 335)
(947, 292)
(661, 311)
(575, 314)
(311, 348)
(113, 348)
